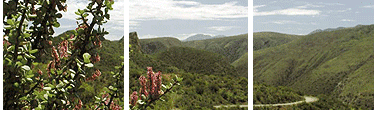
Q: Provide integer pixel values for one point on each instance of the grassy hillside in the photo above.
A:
(337, 63)
(270, 39)
(241, 65)
(264, 94)
(155, 45)
(208, 78)
(196, 61)
(232, 47)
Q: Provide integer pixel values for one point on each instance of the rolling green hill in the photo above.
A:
(232, 47)
(196, 61)
(270, 39)
(208, 78)
(155, 45)
(338, 63)
(263, 94)
(241, 65)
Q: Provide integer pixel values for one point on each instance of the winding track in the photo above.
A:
(308, 99)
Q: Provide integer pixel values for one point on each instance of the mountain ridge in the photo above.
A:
(201, 37)
(338, 63)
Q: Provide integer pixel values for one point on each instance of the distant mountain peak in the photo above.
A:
(134, 41)
(326, 30)
(202, 37)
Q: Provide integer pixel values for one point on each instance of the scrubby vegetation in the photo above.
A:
(263, 94)
(209, 79)
(337, 63)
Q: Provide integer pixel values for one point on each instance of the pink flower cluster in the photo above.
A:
(63, 48)
(96, 59)
(150, 86)
(82, 26)
(134, 98)
(55, 55)
(50, 65)
(6, 42)
(98, 42)
(95, 75)
(78, 106)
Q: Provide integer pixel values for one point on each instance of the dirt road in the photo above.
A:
(241, 106)
(308, 99)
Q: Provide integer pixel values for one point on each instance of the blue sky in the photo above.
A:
(184, 18)
(304, 16)
(115, 26)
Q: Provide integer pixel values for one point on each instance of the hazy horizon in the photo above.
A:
(181, 19)
(300, 17)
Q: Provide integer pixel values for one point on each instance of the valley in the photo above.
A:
(214, 71)
(334, 64)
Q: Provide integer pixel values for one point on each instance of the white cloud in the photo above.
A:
(220, 28)
(332, 4)
(178, 36)
(281, 22)
(148, 36)
(186, 10)
(310, 6)
(258, 6)
(285, 22)
(348, 9)
(133, 23)
(369, 6)
(347, 20)
(345, 10)
(289, 11)
(299, 10)
(68, 26)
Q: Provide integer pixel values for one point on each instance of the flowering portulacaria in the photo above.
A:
(158, 82)
(134, 98)
(98, 42)
(79, 106)
(40, 72)
(63, 48)
(55, 55)
(143, 89)
(6, 42)
(50, 66)
(95, 75)
(151, 86)
(96, 58)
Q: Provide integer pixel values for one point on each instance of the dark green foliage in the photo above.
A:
(264, 94)
(155, 45)
(241, 65)
(232, 47)
(134, 44)
(208, 78)
(196, 61)
(270, 39)
(337, 63)
(110, 53)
